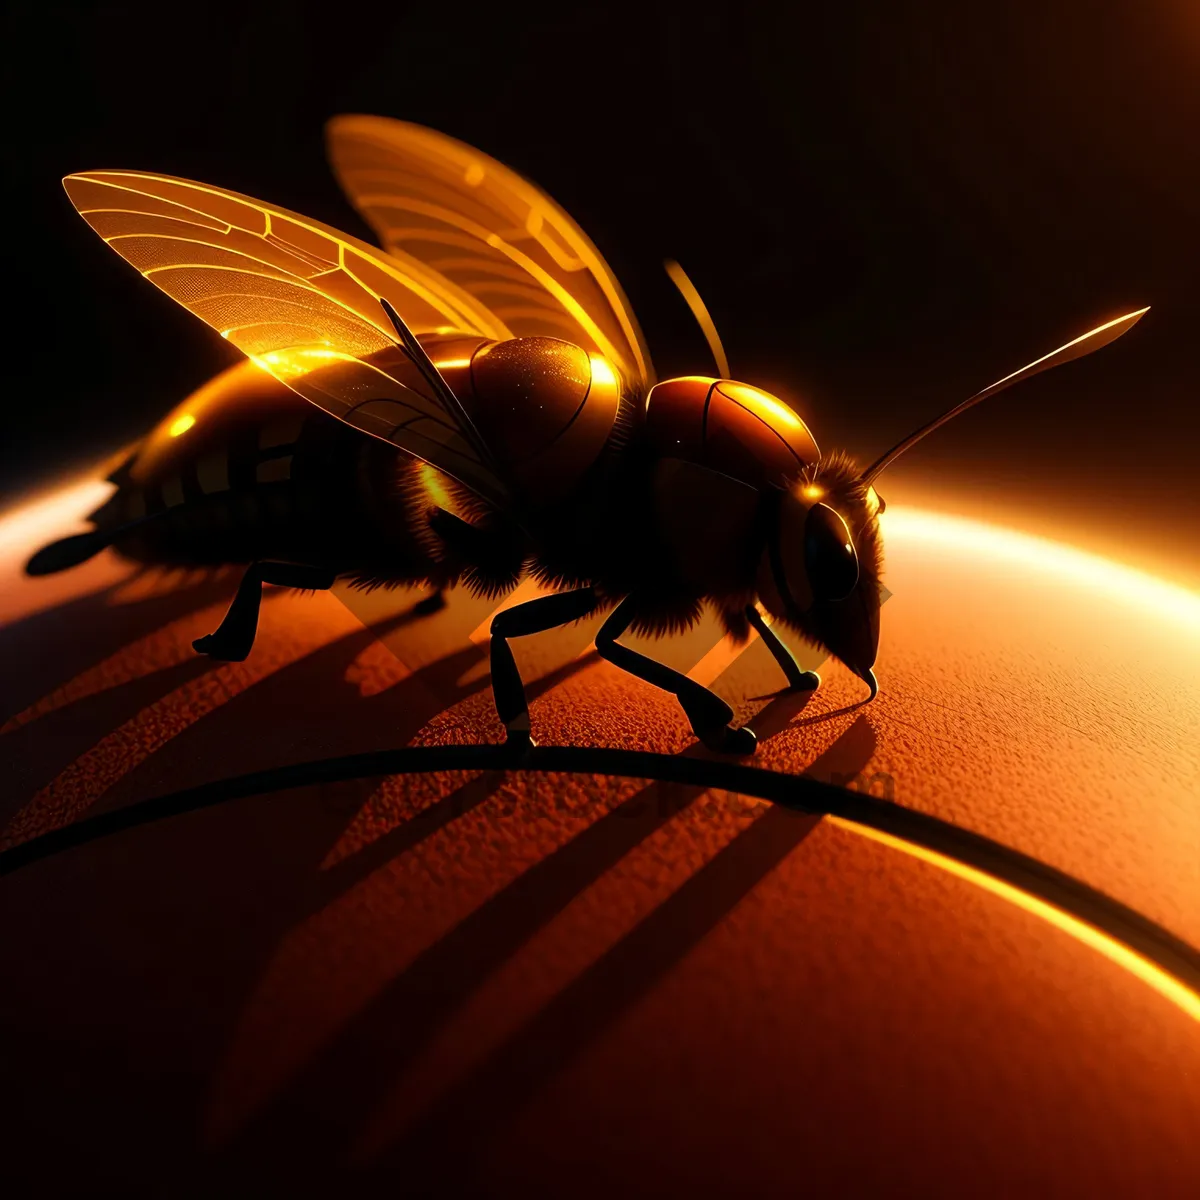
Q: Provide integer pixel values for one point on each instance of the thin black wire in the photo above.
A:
(796, 792)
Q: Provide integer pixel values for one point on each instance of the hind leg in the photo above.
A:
(233, 639)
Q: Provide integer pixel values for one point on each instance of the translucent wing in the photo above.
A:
(472, 221)
(304, 302)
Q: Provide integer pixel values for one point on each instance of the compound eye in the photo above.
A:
(829, 556)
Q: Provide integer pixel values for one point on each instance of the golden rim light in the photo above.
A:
(996, 543)
(1151, 974)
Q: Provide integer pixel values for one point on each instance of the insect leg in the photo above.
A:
(708, 713)
(232, 640)
(534, 616)
(798, 680)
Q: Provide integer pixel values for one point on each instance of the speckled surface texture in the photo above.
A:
(552, 985)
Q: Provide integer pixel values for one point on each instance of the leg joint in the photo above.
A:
(546, 612)
(504, 624)
(615, 624)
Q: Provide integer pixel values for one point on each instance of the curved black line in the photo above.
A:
(797, 792)
(704, 421)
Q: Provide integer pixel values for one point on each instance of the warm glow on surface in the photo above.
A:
(813, 492)
(448, 363)
(55, 515)
(602, 372)
(993, 543)
(181, 424)
(763, 406)
(1153, 976)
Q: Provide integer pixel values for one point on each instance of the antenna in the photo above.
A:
(1094, 339)
(691, 297)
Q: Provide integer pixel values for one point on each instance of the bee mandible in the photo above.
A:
(514, 426)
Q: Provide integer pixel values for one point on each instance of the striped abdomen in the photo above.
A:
(245, 470)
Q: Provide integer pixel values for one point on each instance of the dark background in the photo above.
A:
(885, 205)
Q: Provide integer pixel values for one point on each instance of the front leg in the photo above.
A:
(798, 680)
(708, 713)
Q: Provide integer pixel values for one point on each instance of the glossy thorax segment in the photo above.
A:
(728, 427)
(544, 407)
(719, 444)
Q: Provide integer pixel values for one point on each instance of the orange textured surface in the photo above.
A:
(489, 983)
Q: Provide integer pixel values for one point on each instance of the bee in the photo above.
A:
(473, 404)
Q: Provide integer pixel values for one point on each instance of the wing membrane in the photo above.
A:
(303, 301)
(468, 219)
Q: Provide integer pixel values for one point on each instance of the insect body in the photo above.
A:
(514, 425)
